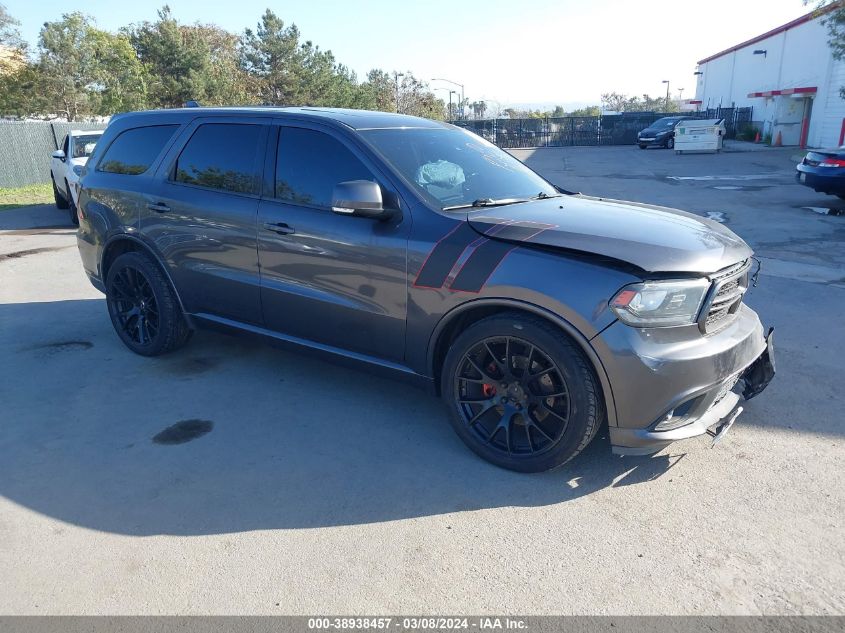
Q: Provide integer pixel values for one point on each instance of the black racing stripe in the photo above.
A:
(518, 233)
(481, 264)
(444, 256)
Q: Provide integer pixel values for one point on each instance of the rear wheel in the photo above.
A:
(520, 393)
(61, 203)
(143, 307)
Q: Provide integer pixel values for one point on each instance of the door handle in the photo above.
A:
(279, 227)
(158, 207)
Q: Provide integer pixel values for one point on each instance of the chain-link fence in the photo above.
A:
(26, 148)
(607, 129)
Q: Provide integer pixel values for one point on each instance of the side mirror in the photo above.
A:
(359, 197)
(58, 154)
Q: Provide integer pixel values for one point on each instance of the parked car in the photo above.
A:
(66, 165)
(824, 171)
(416, 248)
(661, 133)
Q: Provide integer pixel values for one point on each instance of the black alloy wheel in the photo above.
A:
(135, 306)
(143, 307)
(520, 392)
(512, 396)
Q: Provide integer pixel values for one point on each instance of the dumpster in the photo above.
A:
(699, 135)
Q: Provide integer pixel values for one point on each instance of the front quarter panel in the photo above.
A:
(571, 289)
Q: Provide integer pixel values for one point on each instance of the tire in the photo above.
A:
(643, 146)
(61, 203)
(525, 429)
(143, 306)
(71, 205)
(670, 143)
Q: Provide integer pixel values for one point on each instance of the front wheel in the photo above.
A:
(670, 144)
(520, 393)
(143, 307)
(642, 146)
(71, 205)
(61, 203)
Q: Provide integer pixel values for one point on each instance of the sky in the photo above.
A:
(541, 52)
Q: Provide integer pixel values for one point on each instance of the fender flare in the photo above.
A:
(149, 248)
(582, 341)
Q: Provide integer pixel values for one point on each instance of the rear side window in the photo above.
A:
(221, 156)
(133, 151)
(309, 164)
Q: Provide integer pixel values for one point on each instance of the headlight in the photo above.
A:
(77, 169)
(660, 303)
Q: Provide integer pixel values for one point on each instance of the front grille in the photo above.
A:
(725, 297)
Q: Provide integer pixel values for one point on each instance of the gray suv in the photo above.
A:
(416, 248)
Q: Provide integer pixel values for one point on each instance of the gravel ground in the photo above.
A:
(323, 490)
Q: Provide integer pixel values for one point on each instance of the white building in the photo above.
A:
(788, 76)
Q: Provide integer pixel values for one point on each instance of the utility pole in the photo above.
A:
(666, 81)
(396, 76)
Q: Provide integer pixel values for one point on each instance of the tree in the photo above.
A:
(67, 64)
(478, 109)
(12, 47)
(16, 74)
(588, 111)
(622, 103)
(271, 54)
(188, 62)
(120, 80)
(381, 90)
(289, 72)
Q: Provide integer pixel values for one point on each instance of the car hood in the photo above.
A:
(652, 238)
(650, 131)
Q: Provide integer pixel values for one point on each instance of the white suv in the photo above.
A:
(66, 165)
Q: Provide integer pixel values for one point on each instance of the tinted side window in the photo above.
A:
(309, 164)
(133, 151)
(221, 156)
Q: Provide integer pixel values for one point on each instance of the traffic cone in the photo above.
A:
(778, 140)
(757, 137)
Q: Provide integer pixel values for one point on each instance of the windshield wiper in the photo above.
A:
(488, 202)
(544, 196)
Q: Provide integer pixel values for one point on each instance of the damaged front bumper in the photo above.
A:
(720, 414)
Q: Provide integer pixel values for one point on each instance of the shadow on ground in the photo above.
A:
(286, 441)
(44, 216)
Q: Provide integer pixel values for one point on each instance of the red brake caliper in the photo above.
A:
(489, 390)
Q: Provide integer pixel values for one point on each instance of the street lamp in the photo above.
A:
(396, 83)
(461, 86)
(451, 92)
(680, 96)
(666, 81)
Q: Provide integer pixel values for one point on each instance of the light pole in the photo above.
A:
(451, 92)
(680, 97)
(461, 86)
(396, 83)
(666, 81)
